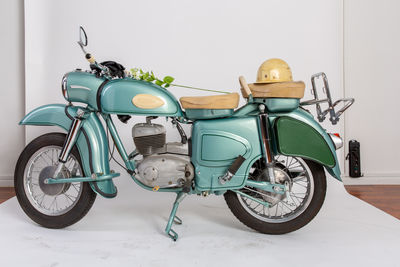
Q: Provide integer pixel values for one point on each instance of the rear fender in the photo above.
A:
(91, 142)
(298, 134)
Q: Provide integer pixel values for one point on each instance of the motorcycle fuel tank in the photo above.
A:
(119, 96)
(133, 97)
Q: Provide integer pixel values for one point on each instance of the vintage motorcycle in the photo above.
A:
(267, 157)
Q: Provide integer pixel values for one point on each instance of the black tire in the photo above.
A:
(83, 204)
(304, 218)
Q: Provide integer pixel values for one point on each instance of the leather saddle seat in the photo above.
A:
(228, 101)
(258, 90)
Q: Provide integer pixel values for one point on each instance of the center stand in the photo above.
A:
(173, 218)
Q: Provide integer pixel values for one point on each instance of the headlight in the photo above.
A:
(64, 87)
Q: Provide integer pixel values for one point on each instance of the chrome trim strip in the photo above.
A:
(79, 87)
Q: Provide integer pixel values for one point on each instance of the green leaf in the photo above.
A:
(168, 79)
(140, 74)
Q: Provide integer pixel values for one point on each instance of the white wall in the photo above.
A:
(201, 43)
(12, 87)
(372, 54)
(206, 44)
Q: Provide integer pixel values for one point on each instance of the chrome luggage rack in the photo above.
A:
(334, 115)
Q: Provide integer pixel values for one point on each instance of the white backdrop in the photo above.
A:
(12, 88)
(371, 65)
(200, 43)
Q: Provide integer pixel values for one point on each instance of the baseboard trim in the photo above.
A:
(6, 181)
(372, 180)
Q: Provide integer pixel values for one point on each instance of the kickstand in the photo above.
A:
(173, 218)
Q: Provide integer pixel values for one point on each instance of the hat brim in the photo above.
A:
(275, 82)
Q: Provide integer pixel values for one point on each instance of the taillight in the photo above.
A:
(337, 140)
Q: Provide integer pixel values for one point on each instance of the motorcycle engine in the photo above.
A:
(164, 164)
(148, 137)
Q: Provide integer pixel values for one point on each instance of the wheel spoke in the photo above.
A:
(69, 197)
(291, 164)
(284, 207)
(299, 178)
(297, 183)
(283, 203)
(47, 164)
(74, 186)
(50, 158)
(297, 198)
(41, 199)
(45, 160)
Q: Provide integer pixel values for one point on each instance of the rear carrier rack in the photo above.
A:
(334, 115)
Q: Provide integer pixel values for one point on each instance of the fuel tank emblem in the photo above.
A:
(146, 101)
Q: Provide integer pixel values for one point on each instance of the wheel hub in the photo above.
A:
(53, 189)
(281, 177)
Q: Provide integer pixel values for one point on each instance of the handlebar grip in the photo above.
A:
(90, 58)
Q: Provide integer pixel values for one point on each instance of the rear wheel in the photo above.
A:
(288, 212)
(54, 205)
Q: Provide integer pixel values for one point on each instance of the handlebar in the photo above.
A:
(90, 58)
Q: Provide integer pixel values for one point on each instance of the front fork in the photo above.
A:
(70, 140)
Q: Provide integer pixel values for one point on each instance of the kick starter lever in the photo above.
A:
(232, 170)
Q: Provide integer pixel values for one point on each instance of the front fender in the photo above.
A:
(91, 142)
(298, 134)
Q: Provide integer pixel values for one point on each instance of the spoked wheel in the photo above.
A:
(51, 205)
(306, 188)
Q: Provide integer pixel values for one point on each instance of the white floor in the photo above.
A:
(128, 230)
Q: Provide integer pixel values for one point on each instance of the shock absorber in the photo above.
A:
(266, 145)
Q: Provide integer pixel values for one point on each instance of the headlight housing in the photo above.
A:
(64, 86)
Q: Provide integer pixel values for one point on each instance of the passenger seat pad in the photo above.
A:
(228, 101)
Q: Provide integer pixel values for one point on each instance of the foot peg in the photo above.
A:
(232, 170)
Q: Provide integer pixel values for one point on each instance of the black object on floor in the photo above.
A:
(354, 159)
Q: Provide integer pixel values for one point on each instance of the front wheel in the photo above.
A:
(51, 205)
(284, 213)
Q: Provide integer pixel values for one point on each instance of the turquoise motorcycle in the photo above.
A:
(268, 158)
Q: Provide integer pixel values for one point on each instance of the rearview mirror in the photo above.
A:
(83, 40)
